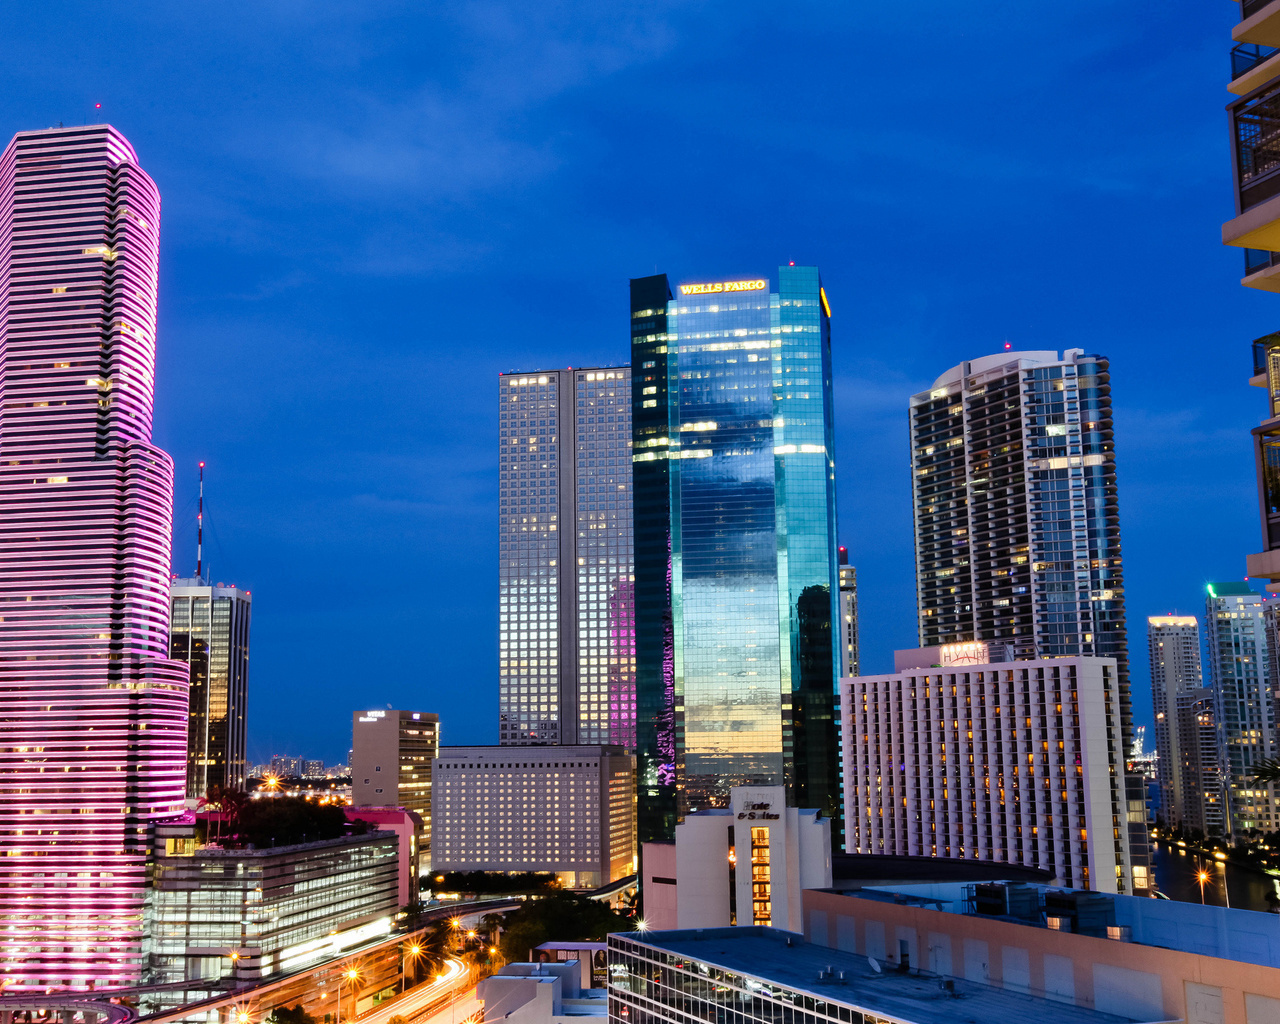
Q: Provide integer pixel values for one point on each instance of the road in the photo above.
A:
(454, 981)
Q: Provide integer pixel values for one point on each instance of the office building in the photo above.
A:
(391, 757)
(209, 632)
(566, 611)
(1236, 644)
(1017, 520)
(217, 914)
(1203, 773)
(848, 614)
(566, 809)
(93, 725)
(408, 828)
(1090, 952)
(768, 975)
(736, 584)
(312, 769)
(1173, 643)
(956, 755)
(744, 864)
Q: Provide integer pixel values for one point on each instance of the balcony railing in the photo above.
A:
(1259, 259)
(1256, 126)
(1247, 56)
(1248, 8)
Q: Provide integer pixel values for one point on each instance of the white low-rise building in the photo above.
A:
(741, 865)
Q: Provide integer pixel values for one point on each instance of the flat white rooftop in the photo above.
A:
(763, 954)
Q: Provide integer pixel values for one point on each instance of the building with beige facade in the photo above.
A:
(957, 754)
(564, 809)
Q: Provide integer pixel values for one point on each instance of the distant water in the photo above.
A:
(1176, 869)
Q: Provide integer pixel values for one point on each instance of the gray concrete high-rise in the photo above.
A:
(566, 606)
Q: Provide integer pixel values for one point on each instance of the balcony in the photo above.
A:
(1265, 565)
(1259, 23)
(1261, 270)
(1255, 129)
(1252, 66)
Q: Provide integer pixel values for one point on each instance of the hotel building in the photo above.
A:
(955, 754)
(93, 714)
(391, 757)
(566, 809)
(209, 632)
(1236, 641)
(736, 583)
(566, 574)
(1173, 642)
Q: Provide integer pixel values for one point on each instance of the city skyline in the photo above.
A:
(350, 203)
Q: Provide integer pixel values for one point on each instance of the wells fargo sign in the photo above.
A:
(724, 286)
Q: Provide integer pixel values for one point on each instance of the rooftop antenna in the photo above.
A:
(200, 526)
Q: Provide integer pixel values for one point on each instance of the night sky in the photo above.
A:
(371, 209)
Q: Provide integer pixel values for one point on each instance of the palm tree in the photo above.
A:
(490, 923)
(1267, 770)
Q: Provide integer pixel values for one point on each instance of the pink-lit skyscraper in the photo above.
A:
(92, 714)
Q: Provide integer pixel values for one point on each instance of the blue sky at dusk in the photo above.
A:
(371, 209)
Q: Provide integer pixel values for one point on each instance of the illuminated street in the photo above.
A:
(454, 979)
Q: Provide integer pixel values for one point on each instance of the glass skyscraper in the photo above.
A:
(1236, 637)
(209, 631)
(736, 587)
(565, 607)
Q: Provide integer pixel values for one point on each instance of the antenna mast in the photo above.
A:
(200, 526)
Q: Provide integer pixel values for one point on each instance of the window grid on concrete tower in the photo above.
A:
(566, 607)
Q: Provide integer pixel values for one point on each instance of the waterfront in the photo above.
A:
(1176, 869)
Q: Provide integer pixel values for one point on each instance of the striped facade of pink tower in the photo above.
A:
(92, 714)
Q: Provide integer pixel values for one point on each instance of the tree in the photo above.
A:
(292, 1015)
(1267, 770)
(561, 917)
(286, 820)
(490, 924)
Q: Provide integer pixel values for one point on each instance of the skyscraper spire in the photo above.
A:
(200, 527)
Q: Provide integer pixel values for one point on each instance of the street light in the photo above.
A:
(411, 952)
(351, 975)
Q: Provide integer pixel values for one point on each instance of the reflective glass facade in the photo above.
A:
(735, 534)
(1236, 636)
(566, 606)
(209, 631)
